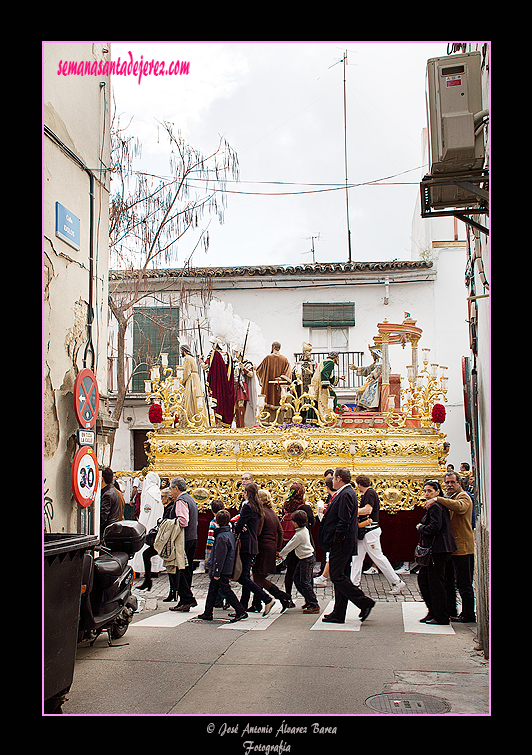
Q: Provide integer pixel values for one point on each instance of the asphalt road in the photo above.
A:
(288, 666)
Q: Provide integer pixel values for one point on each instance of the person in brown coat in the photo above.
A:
(270, 539)
(460, 569)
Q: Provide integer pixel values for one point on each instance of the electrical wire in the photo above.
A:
(320, 187)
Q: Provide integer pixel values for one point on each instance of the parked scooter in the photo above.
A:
(107, 604)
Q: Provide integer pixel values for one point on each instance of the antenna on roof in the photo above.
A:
(312, 250)
(344, 61)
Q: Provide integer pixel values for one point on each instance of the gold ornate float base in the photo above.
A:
(212, 460)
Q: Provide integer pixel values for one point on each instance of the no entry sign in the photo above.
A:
(85, 476)
(86, 398)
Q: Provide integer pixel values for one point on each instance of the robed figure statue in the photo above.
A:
(272, 372)
(221, 382)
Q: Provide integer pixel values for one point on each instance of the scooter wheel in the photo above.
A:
(120, 625)
(118, 630)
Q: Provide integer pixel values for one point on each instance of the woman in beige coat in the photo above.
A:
(170, 545)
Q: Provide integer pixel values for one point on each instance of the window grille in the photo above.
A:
(339, 314)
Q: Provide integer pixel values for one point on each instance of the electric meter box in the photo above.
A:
(454, 97)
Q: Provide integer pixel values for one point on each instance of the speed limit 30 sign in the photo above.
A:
(85, 476)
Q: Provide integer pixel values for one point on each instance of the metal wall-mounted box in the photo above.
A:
(454, 97)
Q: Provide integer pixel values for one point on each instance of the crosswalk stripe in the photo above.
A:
(352, 622)
(255, 621)
(171, 618)
(413, 612)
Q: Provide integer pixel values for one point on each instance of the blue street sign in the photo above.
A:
(67, 226)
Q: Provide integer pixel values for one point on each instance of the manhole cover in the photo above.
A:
(407, 703)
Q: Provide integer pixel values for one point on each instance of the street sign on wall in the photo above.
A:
(86, 437)
(85, 476)
(86, 398)
(67, 226)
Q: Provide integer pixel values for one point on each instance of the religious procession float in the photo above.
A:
(284, 424)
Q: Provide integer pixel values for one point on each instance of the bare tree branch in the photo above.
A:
(150, 219)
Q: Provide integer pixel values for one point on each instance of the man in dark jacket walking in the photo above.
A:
(109, 501)
(338, 535)
(221, 566)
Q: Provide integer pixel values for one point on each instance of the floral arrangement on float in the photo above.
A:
(288, 425)
(438, 414)
(341, 409)
(155, 414)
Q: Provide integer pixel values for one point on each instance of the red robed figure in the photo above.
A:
(222, 387)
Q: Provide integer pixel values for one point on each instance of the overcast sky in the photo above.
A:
(280, 107)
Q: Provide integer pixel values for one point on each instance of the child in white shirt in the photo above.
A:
(304, 551)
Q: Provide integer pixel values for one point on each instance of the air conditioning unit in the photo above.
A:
(454, 98)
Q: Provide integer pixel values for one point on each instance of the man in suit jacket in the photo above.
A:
(338, 535)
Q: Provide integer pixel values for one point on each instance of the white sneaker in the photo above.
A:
(405, 568)
(397, 587)
(372, 570)
(320, 581)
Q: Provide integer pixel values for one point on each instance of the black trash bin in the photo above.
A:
(62, 575)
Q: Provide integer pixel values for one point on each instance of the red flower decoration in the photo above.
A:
(155, 413)
(438, 413)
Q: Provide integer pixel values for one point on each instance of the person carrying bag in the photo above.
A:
(237, 568)
(437, 543)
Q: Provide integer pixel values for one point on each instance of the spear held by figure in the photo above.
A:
(204, 379)
(240, 366)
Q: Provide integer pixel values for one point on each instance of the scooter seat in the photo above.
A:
(111, 566)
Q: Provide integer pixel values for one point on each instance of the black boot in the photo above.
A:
(172, 597)
(285, 599)
(146, 585)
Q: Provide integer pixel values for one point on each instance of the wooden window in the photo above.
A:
(155, 331)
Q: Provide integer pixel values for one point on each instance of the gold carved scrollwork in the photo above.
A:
(395, 494)
(397, 460)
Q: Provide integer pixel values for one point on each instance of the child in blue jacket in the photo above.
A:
(221, 563)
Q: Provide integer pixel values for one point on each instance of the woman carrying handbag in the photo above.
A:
(435, 533)
(246, 529)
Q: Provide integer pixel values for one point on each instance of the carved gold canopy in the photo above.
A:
(212, 460)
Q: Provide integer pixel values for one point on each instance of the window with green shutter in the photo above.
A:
(155, 331)
(339, 314)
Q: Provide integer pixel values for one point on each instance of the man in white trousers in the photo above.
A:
(370, 543)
